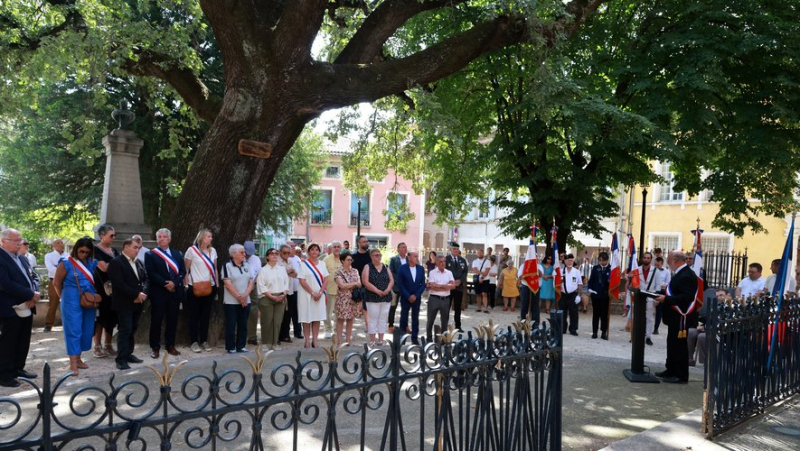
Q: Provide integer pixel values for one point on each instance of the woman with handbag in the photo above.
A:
(202, 282)
(74, 283)
(311, 298)
(106, 317)
(348, 298)
(378, 281)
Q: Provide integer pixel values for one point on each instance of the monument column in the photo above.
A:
(122, 189)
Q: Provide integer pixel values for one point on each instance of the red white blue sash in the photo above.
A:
(167, 259)
(82, 269)
(682, 332)
(318, 276)
(207, 261)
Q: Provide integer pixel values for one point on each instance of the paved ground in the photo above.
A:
(601, 407)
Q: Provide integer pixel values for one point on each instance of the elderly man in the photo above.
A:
(142, 249)
(332, 264)
(459, 268)
(166, 270)
(19, 293)
(51, 261)
(411, 279)
(440, 285)
(255, 266)
(678, 318)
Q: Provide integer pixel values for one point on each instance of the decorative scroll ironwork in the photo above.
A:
(497, 390)
(738, 384)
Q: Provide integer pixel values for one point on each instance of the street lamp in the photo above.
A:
(358, 219)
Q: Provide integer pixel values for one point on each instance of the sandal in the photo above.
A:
(98, 352)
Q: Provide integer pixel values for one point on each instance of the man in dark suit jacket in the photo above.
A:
(394, 266)
(681, 293)
(459, 267)
(17, 286)
(165, 270)
(129, 284)
(411, 282)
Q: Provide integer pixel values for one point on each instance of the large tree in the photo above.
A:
(273, 85)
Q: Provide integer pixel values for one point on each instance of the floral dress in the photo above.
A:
(346, 307)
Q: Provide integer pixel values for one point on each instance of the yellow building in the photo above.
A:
(671, 216)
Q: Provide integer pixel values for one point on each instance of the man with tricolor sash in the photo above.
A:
(166, 270)
(680, 313)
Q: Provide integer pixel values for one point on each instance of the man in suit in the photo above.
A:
(680, 294)
(165, 272)
(411, 282)
(129, 285)
(457, 265)
(598, 287)
(394, 266)
(18, 287)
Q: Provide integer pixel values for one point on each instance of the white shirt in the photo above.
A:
(572, 279)
(31, 259)
(479, 264)
(770, 284)
(413, 271)
(438, 277)
(751, 287)
(132, 262)
(273, 279)
(295, 262)
(51, 261)
(493, 275)
(198, 267)
(255, 265)
(142, 250)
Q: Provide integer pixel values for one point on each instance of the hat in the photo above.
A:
(454, 244)
(249, 248)
(22, 310)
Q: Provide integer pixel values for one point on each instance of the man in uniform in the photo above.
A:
(458, 266)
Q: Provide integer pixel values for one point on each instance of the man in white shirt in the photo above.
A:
(753, 284)
(529, 301)
(570, 297)
(651, 279)
(51, 262)
(440, 283)
(332, 264)
(292, 262)
(773, 279)
(480, 267)
(254, 261)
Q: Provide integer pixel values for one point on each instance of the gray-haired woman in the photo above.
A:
(238, 283)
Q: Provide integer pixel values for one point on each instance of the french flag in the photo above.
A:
(633, 265)
(616, 275)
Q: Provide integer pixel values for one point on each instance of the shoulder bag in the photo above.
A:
(87, 300)
(358, 294)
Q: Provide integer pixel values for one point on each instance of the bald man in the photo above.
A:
(680, 295)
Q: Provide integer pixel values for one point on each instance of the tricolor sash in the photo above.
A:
(682, 332)
(208, 262)
(317, 276)
(167, 259)
(82, 269)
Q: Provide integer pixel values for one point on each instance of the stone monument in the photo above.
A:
(122, 189)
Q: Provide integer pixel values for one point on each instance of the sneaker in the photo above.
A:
(196, 347)
(242, 350)
(265, 348)
(207, 347)
(276, 348)
(648, 341)
(328, 335)
(48, 329)
(230, 351)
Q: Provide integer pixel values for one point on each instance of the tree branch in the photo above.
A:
(297, 29)
(193, 91)
(73, 20)
(379, 26)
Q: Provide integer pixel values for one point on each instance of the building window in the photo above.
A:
(667, 192)
(665, 242)
(333, 172)
(377, 240)
(716, 244)
(322, 207)
(439, 243)
(396, 205)
(483, 209)
(365, 210)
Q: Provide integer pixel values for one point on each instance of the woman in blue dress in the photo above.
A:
(78, 322)
(547, 292)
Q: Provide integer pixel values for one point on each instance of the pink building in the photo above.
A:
(334, 215)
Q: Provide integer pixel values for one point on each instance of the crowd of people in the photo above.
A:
(297, 290)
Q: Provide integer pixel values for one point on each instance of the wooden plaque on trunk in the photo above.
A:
(254, 149)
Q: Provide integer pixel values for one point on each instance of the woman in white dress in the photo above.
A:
(311, 298)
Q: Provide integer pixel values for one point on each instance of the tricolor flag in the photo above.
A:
(779, 290)
(697, 266)
(530, 269)
(633, 265)
(556, 264)
(614, 281)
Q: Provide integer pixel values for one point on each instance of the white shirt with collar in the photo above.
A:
(442, 277)
(51, 262)
(751, 287)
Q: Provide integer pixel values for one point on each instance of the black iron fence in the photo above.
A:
(494, 390)
(724, 269)
(738, 381)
